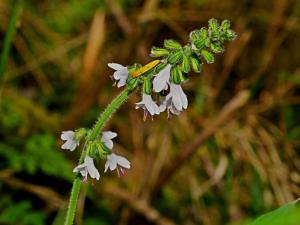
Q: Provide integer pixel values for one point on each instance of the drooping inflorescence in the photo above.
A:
(163, 76)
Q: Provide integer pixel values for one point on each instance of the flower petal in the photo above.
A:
(150, 104)
(161, 80)
(120, 74)
(70, 145)
(183, 98)
(116, 66)
(111, 160)
(123, 162)
(109, 144)
(176, 98)
(93, 172)
(66, 135)
(121, 82)
(107, 135)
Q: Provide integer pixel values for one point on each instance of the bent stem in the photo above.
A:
(94, 133)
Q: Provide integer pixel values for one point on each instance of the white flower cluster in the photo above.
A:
(113, 161)
(175, 102)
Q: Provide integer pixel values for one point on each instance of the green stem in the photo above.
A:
(9, 35)
(100, 123)
(73, 201)
(111, 108)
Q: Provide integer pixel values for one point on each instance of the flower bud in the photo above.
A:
(160, 67)
(208, 56)
(171, 44)
(176, 75)
(147, 86)
(102, 149)
(213, 24)
(79, 134)
(225, 25)
(216, 47)
(132, 83)
(230, 35)
(174, 57)
(159, 52)
(185, 65)
(195, 63)
(198, 38)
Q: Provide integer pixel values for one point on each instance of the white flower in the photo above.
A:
(179, 99)
(70, 143)
(117, 162)
(86, 168)
(167, 103)
(161, 80)
(121, 73)
(148, 105)
(106, 138)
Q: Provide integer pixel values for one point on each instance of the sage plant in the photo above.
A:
(160, 83)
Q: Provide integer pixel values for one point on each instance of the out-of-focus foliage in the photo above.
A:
(246, 163)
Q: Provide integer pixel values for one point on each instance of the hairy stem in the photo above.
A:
(100, 123)
(111, 108)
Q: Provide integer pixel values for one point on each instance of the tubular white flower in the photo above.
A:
(70, 143)
(121, 73)
(179, 98)
(161, 80)
(106, 138)
(87, 168)
(117, 162)
(148, 105)
(167, 104)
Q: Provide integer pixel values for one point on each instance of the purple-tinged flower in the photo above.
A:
(106, 138)
(87, 168)
(117, 162)
(70, 143)
(121, 73)
(148, 105)
(167, 104)
(179, 99)
(161, 80)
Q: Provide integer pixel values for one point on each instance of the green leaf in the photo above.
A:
(208, 56)
(288, 214)
(171, 44)
(174, 57)
(159, 52)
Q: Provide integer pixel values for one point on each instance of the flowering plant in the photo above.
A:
(160, 82)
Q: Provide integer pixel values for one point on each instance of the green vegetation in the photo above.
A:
(226, 160)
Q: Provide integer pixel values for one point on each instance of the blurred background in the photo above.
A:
(232, 155)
